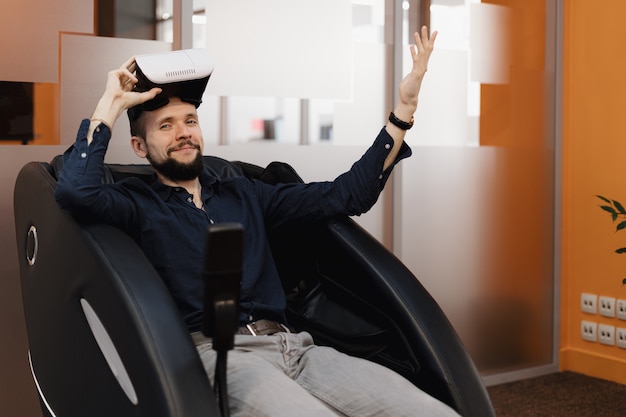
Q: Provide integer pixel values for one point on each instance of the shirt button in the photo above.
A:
(189, 199)
(98, 129)
(83, 155)
(387, 146)
(380, 177)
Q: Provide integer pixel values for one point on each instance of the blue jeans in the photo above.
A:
(285, 374)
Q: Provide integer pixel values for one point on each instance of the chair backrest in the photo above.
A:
(342, 286)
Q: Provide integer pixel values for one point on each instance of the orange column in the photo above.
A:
(46, 114)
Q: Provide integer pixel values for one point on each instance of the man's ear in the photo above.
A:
(139, 146)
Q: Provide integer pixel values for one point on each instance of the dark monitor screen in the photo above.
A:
(16, 111)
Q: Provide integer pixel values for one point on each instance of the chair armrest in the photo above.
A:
(393, 288)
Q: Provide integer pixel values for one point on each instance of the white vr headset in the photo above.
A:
(175, 66)
(183, 74)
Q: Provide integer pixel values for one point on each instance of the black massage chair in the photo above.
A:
(105, 337)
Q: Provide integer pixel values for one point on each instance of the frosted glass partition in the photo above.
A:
(354, 122)
(477, 230)
(357, 122)
(30, 36)
(302, 57)
(489, 43)
(261, 118)
(443, 117)
(475, 223)
(83, 80)
(280, 48)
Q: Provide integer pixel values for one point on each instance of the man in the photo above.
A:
(271, 371)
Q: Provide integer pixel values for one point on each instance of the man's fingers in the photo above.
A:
(152, 93)
(425, 33)
(126, 73)
(431, 41)
(424, 41)
(129, 65)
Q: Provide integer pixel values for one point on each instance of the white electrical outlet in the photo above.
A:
(620, 309)
(589, 303)
(620, 337)
(589, 330)
(606, 306)
(606, 334)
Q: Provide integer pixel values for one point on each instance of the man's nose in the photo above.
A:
(182, 132)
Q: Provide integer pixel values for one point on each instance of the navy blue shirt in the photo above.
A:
(171, 230)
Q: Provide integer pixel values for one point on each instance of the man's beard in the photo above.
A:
(178, 171)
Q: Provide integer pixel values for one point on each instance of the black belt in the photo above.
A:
(263, 328)
(257, 328)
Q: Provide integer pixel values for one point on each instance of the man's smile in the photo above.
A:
(185, 148)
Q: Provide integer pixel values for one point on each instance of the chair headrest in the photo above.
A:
(216, 166)
(276, 172)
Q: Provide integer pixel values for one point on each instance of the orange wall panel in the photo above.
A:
(514, 114)
(594, 125)
(46, 117)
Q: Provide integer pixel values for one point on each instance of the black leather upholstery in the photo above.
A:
(104, 266)
(342, 286)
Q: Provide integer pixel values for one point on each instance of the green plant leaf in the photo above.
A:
(619, 207)
(609, 209)
(621, 250)
(620, 226)
(604, 198)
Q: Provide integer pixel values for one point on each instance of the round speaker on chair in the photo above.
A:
(32, 245)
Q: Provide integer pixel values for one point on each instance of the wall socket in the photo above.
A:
(606, 306)
(620, 337)
(589, 330)
(589, 303)
(606, 334)
(620, 309)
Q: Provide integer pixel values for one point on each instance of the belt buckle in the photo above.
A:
(251, 328)
(274, 326)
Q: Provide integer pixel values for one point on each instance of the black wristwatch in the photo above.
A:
(400, 123)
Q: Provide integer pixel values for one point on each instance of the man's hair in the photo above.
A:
(137, 127)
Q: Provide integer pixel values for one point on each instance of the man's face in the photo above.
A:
(174, 140)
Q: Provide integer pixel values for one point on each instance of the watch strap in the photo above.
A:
(400, 123)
